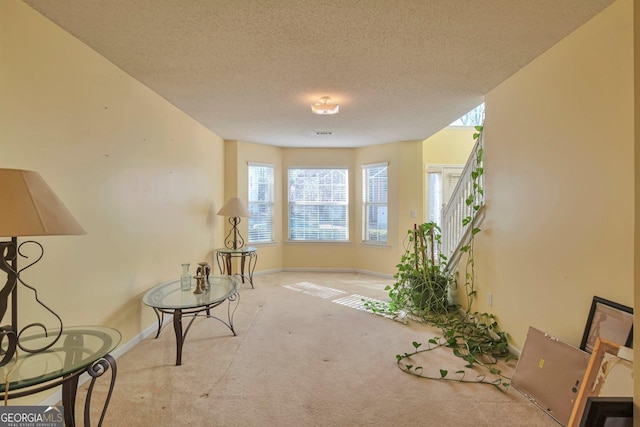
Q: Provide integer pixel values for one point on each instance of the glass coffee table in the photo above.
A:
(78, 350)
(169, 298)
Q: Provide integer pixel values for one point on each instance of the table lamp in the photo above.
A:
(29, 208)
(234, 209)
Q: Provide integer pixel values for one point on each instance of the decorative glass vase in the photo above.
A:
(185, 278)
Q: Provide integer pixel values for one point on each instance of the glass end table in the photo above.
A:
(248, 258)
(77, 350)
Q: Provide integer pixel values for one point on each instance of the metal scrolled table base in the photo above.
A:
(248, 261)
(178, 314)
(70, 390)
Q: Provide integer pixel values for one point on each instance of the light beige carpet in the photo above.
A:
(305, 355)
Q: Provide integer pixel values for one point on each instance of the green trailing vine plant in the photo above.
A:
(417, 294)
(422, 281)
(474, 200)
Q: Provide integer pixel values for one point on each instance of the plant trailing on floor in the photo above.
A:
(407, 363)
(422, 276)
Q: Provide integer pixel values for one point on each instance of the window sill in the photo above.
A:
(384, 245)
(258, 244)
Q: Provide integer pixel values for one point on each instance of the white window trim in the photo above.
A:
(364, 205)
(271, 166)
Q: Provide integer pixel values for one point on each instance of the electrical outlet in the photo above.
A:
(413, 213)
(489, 299)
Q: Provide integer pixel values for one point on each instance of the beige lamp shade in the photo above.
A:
(29, 207)
(234, 207)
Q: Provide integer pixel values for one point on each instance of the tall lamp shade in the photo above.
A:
(234, 209)
(29, 208)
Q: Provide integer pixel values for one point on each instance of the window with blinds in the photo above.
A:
(374, 203)
(318, 204)
(260, 203)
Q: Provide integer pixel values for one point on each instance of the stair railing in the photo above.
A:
(455, 234)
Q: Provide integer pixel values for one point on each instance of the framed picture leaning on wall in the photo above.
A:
(608, 320)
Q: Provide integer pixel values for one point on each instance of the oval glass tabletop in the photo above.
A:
(169, 295)
(242, 250)
(77, 348)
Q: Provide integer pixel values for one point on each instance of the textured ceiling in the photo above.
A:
(249, 69)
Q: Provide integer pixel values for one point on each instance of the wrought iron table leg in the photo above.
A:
(227, 261)
(160, 320)
(253, 259)
(233, 298)
(96, 370)
(177, 326)
(69, 392)
(242, 258)
(220, 267)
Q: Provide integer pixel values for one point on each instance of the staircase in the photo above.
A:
(456, 234)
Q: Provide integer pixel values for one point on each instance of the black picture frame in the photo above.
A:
(608, 411)
(608, 320)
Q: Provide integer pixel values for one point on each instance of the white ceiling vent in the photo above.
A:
(324, 132)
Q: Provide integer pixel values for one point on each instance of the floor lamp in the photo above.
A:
(29, 208)
(234, 209)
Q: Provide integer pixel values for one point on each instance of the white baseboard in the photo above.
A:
(337, 270)
(56, 397)
(515, 350)
(261, 272)
(318, 270)
(374, 273)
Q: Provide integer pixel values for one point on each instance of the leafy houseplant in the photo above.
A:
(420, 291)
(422, 280)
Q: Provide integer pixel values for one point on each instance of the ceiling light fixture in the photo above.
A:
(324, 106)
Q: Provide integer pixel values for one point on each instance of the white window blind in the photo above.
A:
(319, 204)
(374, 203)
(260, 203)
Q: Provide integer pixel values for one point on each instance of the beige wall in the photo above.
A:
(140, 176)
(450, 146)
(406, 185)
(559, 183)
